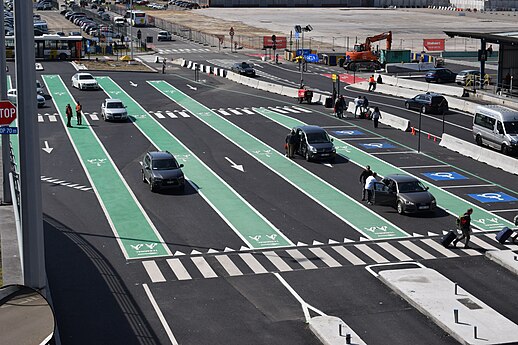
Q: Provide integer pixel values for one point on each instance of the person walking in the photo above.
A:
(376, 115)
(365, 108)
(363, 178)
(369, 186)
(79, 109)
(163, 65)
(464, 225)
(358, 102)
(291, 140)
(372, 83)
(490, 50)
(340, 106)
(68, 112)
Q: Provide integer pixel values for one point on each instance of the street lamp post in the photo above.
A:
(419, 135)
(300, 29)
(131, 29)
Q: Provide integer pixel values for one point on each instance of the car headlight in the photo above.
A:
(333, 149)
(408, 202)
(312, 149)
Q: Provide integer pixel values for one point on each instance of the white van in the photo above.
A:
(497, 127)
(119, 21)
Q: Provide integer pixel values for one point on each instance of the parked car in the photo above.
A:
(161, 170)
(84, 81)
(428, 103)
(243, 68)
(406, 193)
(113, 109)
(463, 76)
(11, 96)
(164, 36)
(314, 143)
(440, 75)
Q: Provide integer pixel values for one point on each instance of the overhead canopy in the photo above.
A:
(510, 38)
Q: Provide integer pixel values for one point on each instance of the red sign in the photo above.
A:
(280, 42)
(7, 113)
(433, 44)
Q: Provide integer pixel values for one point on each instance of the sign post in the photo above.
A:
(231, 33)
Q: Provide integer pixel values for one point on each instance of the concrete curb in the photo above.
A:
(11, 262)
(504, 258)
(387, 119)
(327, 330)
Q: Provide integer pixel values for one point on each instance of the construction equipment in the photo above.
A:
(362, 57)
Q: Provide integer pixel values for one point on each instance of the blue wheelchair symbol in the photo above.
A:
(380, 145)
(348, 133)
(445, 176)
(493, 197)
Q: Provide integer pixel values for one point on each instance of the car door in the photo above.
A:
(499, 136)
(146, 168)
(383, 195)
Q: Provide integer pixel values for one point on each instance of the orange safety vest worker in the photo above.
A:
(372, 80)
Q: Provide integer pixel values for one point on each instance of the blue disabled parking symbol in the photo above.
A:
(493, 197)
(349, 132)
(445, 176)
(380, 145)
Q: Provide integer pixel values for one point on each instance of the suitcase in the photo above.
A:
(447, 239)
(503, 235)
(329, 102)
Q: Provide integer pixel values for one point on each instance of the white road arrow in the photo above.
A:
(234, 165)
(47, 148)
(328, 165)
(133, 84)
(191, 87)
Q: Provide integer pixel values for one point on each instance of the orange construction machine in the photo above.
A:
(362, 57)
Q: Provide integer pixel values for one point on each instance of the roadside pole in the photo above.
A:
(29, 161)
(6, 159)
(131, 29)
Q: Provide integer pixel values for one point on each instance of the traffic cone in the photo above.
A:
(434, 139)
(429, 136)
(413, 131)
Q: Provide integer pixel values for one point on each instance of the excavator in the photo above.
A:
(362, 57)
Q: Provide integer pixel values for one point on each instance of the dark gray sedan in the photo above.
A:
(243, 68)
(161, 170)
(406, 193)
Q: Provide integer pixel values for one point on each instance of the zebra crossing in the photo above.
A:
(64, 183)
(185, 51)
(46, 117)
(230, 263)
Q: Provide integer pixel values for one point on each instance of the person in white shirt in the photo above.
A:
(358, 103)
(369, 187)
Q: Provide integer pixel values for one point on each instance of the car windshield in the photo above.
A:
(85, 77)
(511, 127)
(411, 187)
(245, 65)
(165, 164)
(318, 138)
(114, 105)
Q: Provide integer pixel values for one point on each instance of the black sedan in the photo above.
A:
(243, 68)
(161, 170)
(406, 193)
(440, 75)
(428, 103)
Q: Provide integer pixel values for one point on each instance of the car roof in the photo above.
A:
(110, 100)
(160, 154)
(401, 178)
(311, 129)
(433, 94)
(83, 73)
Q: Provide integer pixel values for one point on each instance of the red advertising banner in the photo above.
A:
(280, 42)
(433, 44)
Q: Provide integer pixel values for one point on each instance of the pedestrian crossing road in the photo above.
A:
(303, 257)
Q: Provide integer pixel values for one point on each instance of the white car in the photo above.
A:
(11, 96)
(113, 109)
(84, 81)
(164, 36)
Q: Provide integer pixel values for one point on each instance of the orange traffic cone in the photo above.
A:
(434, 139)
(413, 131)
(429, 136)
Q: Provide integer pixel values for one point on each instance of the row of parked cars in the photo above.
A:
(88, 24)
(186, 4)
(444, 75)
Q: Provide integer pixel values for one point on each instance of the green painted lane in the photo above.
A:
(340, 204)
(133, 229)
(481, 218)
(254, 230)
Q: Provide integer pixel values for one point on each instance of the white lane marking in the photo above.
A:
(204, 267)
(247, 111)
(171, 114)
(291, 110)
(153, 271)
(159, 115)
(440, 248)
(392, 152)
(253, 263)
(234, 111)
(40, 118)
(277, 261)
(482, 244)
(161, 317)
(52, 118)
(426, 166)
(507, 210)
(394, 251)
(417, 250)
(302, 109)
(371, 253)
(222, 112)
(301, 259)
(279, 110)
(184, 114)
(178, 269)
(94, 117)
(326, 258)
(470, 186)
(353, 259)
(507, 244)
(360, 138)
(228, 265)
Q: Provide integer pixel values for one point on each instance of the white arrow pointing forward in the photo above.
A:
(234, 165)
(328, 165)
(191, 87)
(47, 148)
(133, 84)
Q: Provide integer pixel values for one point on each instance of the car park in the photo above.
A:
(164, 36)
(497, 127)
(313, 143)
(160, 170)
(243, 68)
(11, 96)
(466, 75)
(428, 103)
(113, 109)
(440, 75)
(404, 192)
(84, 81)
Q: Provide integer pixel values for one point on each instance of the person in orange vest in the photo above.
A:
(79, 109)
(372, 83)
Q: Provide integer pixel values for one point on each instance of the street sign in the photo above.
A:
(311, 57)
(8, 130)
(7, 113)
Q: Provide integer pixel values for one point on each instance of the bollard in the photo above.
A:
(456, 286)
(456, 315)
(515, 258)
(475, 335)
(348, 338)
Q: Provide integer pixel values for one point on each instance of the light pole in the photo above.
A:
(419, 135)
(300, 29)
(131, 29)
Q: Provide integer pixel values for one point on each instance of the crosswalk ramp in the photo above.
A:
(233, 263)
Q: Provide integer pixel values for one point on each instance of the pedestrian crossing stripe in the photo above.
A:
(230, 263)
(64, 183)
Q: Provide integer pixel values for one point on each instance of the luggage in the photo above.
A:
(503, 235)
(329, 102)
(447, 239)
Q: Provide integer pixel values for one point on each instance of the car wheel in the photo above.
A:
(400, 208)
(154, 188)
(423, 109)
(505, 149)
(143, 177)
(407, 105)
(478, 140)
(438, 80)
(308, 158)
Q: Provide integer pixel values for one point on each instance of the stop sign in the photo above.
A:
(7, 113)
